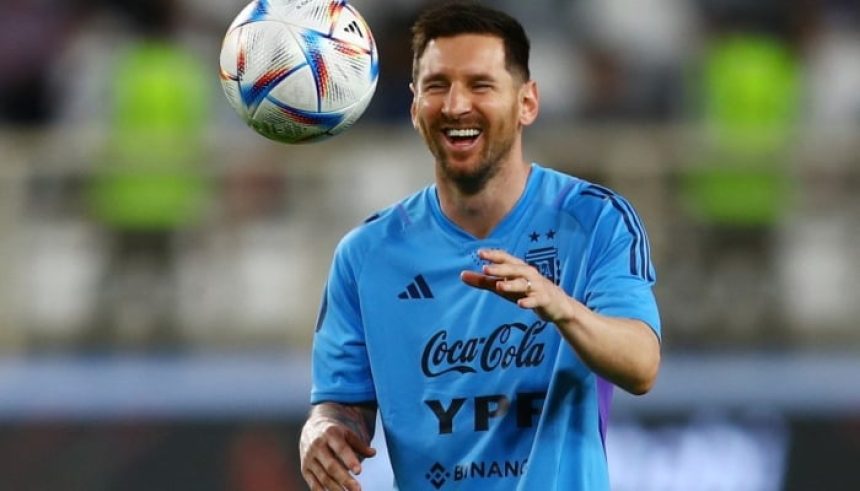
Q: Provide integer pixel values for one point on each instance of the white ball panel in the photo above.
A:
(298, 90)
(352, 113)
(349, 75)
(267, 48)
(272, 122)
(318, 15)
(230, 53)
(231, 91)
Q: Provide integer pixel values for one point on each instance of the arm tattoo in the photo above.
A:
(359, 418)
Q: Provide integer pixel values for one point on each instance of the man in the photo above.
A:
(487, 316)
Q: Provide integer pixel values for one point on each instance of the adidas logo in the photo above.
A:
(353, 28)
(416, 290)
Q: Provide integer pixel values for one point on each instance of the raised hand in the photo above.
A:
(517, 281)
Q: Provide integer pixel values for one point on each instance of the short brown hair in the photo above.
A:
(469, 17)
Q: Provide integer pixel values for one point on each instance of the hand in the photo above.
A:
(330, 454)
(513, 279)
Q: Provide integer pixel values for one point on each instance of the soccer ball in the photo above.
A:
(299, 70)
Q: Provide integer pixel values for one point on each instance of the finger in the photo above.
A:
(348, 449)
(360, 446)
(522, 286)
(479, 280)
(315, 468)
(351, 485)
(330, 484)
(324, 482)
(498, 256)
(346, 455)
(311, 480)
(528, 303)
(334, 483)
(332, 465)
(507, 270)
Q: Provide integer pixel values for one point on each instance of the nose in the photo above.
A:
(457, 102)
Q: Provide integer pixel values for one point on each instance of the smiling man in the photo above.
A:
(489, 316)
(470, 109)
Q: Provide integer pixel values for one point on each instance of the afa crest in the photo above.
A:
(545, 260)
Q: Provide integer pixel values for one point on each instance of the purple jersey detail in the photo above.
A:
(604, 404)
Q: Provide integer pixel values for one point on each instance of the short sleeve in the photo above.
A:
(620, 274)
(340, 368)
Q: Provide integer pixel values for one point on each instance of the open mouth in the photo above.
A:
(462, 137)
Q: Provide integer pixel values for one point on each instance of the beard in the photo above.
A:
(472, 180)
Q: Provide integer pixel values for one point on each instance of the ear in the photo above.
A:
(529, 102)
(413, 108)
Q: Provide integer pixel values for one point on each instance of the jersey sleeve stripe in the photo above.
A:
(634, 266)
(323, 309)
(639, 249)
(645, 247)
(645, 251)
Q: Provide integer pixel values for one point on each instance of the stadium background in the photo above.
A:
(162, 264)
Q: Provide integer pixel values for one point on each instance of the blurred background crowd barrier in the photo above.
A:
(162, 264)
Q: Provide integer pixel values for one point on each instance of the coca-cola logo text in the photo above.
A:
(509, 345)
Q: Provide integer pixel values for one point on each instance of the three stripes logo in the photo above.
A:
(354, 28)
(417, 289)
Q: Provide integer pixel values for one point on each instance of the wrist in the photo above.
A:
(571, 313)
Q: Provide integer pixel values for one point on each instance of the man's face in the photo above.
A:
(468, 107)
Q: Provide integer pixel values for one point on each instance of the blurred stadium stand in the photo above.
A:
(759, 385)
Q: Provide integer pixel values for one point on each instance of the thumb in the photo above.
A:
(359, 446)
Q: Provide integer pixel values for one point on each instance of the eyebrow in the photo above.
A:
(440, 77)
(434, 77)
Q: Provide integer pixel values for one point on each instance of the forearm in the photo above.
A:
(624, 351)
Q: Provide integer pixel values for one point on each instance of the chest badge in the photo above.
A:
(544, 259)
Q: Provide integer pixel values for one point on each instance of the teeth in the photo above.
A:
(463, 133)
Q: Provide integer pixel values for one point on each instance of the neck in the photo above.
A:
(479, 212)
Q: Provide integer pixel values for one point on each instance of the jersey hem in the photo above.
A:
(340, 397)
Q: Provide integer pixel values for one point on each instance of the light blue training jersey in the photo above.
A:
(474, 392)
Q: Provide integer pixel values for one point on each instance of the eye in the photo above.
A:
(482, 86)
(434, 87)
